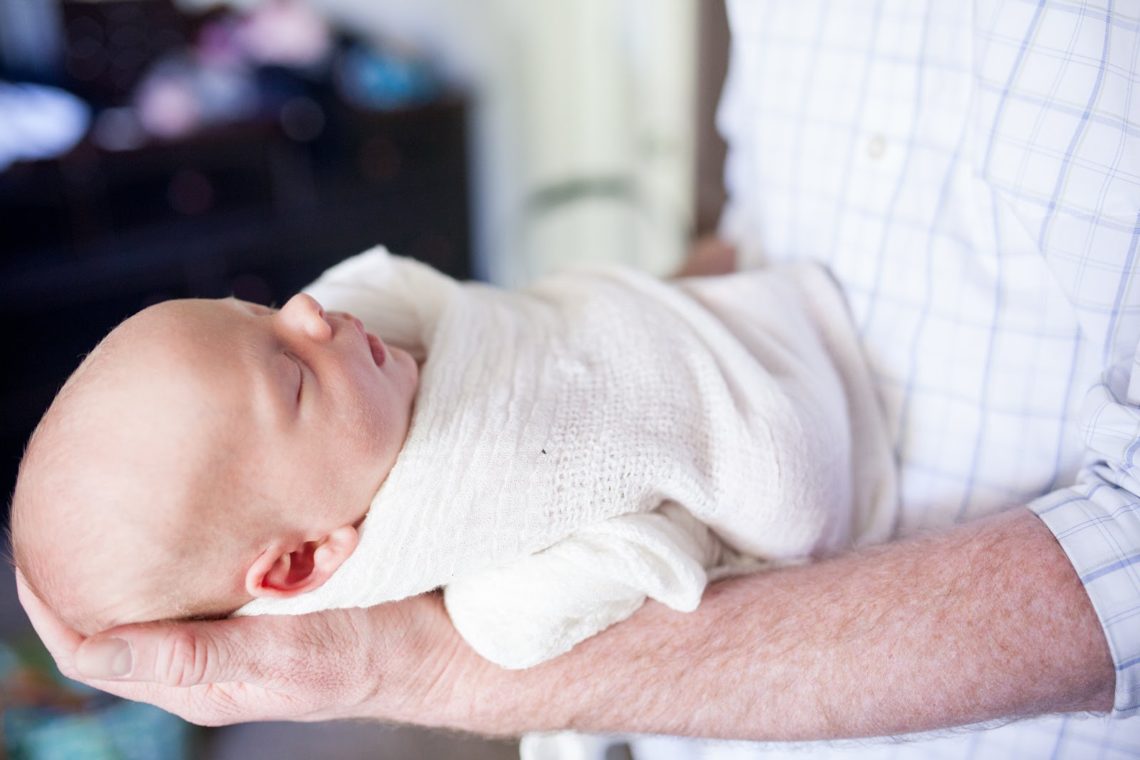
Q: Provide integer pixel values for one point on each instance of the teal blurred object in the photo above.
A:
(377, 80)
(49, 717)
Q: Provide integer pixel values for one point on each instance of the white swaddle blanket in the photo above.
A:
(602, 437)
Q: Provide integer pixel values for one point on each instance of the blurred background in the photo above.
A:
(155, 149)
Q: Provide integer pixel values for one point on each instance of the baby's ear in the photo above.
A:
(287, 569)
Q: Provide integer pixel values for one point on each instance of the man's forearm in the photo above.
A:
(985, 621)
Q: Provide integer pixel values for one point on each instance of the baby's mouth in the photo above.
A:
(377, 348)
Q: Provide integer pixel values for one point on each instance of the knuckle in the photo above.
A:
(184, 658)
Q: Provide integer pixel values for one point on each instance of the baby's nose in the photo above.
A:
(305, 303)
(304, 312)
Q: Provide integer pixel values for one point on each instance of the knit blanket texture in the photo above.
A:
(603, 427)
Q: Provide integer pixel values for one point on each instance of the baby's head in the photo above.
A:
(204, 454)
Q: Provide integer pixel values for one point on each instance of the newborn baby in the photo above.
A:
(566, 451)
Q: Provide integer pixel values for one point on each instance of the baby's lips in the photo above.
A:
(375, 345)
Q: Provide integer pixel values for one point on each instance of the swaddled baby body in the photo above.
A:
(550, 457)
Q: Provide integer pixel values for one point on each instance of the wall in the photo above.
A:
(583, 133)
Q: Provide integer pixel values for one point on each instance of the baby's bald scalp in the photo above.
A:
(109, 483)
(204, 454)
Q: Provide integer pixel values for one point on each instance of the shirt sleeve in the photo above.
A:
(1078, 208)
(1097, 521)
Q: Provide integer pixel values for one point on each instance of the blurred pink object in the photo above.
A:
(285, 33)
(181, 95)
(167, 107)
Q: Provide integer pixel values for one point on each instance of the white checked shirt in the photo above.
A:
(971, 174)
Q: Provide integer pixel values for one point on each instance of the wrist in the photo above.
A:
(453, 687)
(470, 693)
(427, 675)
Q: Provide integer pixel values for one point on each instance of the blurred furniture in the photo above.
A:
(246, 210)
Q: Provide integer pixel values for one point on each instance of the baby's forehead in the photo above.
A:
(181, 320)
(170, 390)
(158, 374)
(180, 336)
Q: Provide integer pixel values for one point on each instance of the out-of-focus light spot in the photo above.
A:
(286, 34)
(302, 119)
(371, 79)
(168, 108)
(38, 122)
(118, 129)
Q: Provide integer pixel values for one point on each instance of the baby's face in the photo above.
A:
(316, 408)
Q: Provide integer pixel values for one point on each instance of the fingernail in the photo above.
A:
(110, 658)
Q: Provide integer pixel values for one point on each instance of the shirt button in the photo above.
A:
(876, 146)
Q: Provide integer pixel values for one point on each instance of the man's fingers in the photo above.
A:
(60, 640)
(145, 653)
(172, 654)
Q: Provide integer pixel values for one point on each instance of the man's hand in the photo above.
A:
(391, 660)
(984, 621)
(708, 256)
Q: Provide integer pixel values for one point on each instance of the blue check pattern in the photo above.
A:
(971, 174)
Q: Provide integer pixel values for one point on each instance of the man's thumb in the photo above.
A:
(179, 654)
(104, 658)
